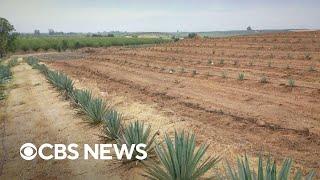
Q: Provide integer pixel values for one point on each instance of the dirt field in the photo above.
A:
(184, 82)
(193, 84)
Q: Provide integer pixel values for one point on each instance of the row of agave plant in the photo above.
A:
(177, 159)
(5, 75)
(5, 72)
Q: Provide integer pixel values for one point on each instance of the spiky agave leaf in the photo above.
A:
(61, 81)
(180, 159)
(113, 125)
(137, 133)
(67, 84)
(244, 172)
(96, 110)
(82, 97)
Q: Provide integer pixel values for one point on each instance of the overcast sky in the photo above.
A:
(161, 15)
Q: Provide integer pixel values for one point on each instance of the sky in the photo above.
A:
(160, 16)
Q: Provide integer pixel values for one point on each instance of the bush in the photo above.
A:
(180, 159)
(64, 45)
(77, 45)
(192, 35)
(74, 42)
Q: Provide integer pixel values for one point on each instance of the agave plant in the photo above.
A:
(42, 68)
(137, 133)
(13, 62)
(112, 125)
(5, 73)
(269, 172)
(53, 77)
(82, 97)
(32, 60)
(67, 84)
(61, 81)
(179, 160)
(96, 110)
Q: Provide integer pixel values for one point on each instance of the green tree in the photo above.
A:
(7, 37)
(192, 35)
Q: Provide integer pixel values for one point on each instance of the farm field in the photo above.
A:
(253, 94)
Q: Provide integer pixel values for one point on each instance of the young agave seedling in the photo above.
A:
(311, 68)
(241, 76)
(307, 56)
(291, 82)
(137, 133)
(194, 72)
(182, 70)
(224, 75)
(179, 159)
(263, 79)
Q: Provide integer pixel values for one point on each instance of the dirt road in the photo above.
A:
(35, 112)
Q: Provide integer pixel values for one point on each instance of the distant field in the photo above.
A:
(64, 42)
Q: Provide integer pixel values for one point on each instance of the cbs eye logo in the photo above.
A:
(28, 151)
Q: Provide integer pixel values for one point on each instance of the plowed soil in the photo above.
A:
(193, 84)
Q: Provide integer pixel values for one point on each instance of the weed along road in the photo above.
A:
(35, 112)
